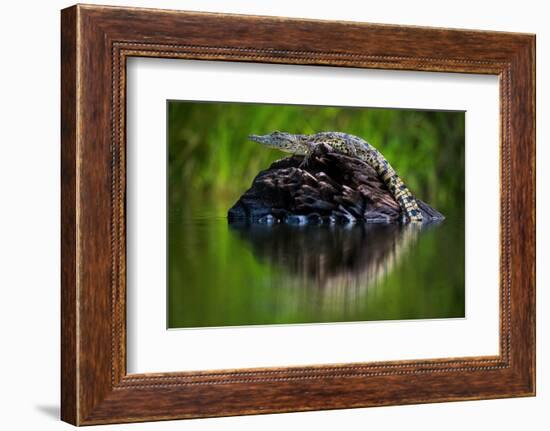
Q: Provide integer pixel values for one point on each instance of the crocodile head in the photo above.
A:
(287, 142)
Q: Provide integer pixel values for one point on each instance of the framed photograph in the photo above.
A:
(263, 214)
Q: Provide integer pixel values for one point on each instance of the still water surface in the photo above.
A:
(229, 275)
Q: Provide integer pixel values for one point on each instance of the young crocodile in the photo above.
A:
(349, 145)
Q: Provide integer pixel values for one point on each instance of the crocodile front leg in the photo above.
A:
(313, 149)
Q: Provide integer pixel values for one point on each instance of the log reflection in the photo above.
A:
(339, 260)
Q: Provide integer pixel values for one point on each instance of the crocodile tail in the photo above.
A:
(400, 192)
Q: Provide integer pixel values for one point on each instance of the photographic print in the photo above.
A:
(249, 225)
(287, 214)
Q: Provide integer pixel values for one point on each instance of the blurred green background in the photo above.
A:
(210, 153)
(222, 276)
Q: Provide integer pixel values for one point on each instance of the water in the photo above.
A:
(227, 275)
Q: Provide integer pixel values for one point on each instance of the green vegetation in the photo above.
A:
(210, 154)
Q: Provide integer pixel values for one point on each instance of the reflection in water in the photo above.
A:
(230, 275)
(326, 253)
(340, 261)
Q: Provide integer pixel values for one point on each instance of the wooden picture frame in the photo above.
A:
(96, 41)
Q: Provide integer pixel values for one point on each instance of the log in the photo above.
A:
(331, 188)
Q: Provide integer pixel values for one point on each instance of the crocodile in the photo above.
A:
(350, 145)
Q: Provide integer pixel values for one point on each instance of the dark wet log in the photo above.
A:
(332, 187)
